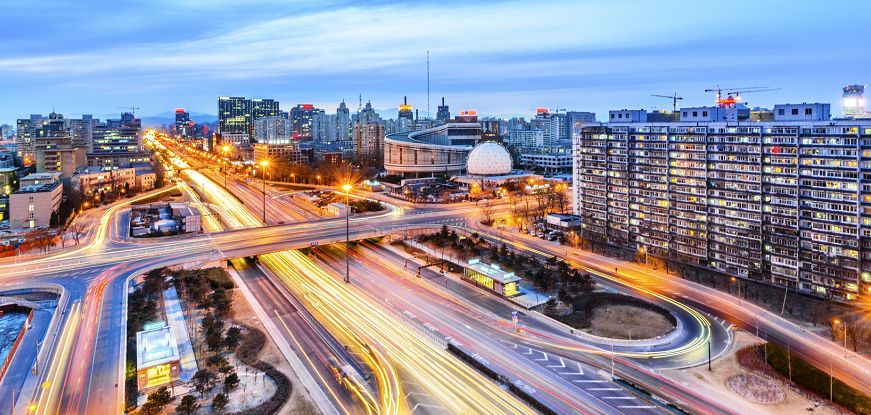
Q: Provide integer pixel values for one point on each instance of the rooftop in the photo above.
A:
(38, 188)
(492, 271)
(155, 347)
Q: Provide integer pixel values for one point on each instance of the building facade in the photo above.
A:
(272, 130)
(785, 202)
(441, 150)
(369, 141)
(36, 202)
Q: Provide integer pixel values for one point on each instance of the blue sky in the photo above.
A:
(499, 57)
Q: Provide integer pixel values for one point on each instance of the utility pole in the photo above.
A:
(709, 354)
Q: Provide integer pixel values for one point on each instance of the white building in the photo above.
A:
(526, 138)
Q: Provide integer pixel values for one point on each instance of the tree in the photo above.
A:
(231, 381)
(487, 208)
(203, 381)
(160, 397)
(188, 405)
(76, 231)
(232, 337)
(154, 281)
(219, 402)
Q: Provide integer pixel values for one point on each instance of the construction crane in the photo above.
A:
(674, 99)
(542, 110)
(132, 109)
(733, 95)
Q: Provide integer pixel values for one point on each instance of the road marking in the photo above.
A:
(560, 365)
(618, 397)
(544, 359)
(636, 406)
(589, 381)
(602, 389)
(579, 372)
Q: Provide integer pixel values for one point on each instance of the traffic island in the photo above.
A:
(612, 316)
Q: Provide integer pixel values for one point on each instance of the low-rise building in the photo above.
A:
(36, 202)
(146, 178)
(337, 209)
(491, 277)
(157, 357)
(557, 162)
(98, 180)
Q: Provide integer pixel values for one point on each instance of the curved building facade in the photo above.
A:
(435, 151)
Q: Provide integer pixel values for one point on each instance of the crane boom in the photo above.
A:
(674, 99)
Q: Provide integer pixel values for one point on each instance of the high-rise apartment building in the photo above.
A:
(82, 130)
(55, 150)
(367, 115)
(369, 141)
(24, 133)
(262, 107)
(782, 201)
(343, 122)
(552, 125)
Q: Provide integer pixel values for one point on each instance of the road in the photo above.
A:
(95, 275)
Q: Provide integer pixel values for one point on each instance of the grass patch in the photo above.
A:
(616, 316)
(815, 380)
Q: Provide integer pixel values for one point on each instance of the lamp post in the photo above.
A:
(738, 283)
(845, 335)
(225, 149)
(264, 164)
(347, 188)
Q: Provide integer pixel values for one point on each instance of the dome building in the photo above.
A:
(488, 159)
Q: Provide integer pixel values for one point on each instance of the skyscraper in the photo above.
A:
(405, 121)
(261, 107)
(234, 119)
(55, 150)
(274, 130)
(552, 126)
(183, 127)
(368, 115)
(301, 121)
(443, 113)
(343, 122)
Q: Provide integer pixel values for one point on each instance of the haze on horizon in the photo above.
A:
(502, 58)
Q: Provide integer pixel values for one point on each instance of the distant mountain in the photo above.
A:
(168, 117)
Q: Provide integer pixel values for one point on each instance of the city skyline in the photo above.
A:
(501, 59)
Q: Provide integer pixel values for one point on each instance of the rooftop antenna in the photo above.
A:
(427, 84)
(359, 107)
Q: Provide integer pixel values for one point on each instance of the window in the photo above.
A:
(808, 111)
(795, 111)
(704, 113)
(780, 111)
(695, 113)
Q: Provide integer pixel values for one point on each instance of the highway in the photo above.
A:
(81, 378)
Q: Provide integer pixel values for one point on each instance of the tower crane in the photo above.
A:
(674, 99)
(733, 95)
(132, 109)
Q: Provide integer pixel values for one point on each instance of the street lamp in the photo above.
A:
(264, 164)
(225, 150)
(347, 188)
(836, 322)
(738, 283)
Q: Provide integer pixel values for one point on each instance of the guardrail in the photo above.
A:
(15, 344)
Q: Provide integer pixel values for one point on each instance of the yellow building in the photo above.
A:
(157, 357)
(491, 277)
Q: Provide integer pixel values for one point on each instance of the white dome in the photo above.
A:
(489, 159)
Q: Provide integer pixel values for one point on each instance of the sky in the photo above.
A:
(501, 58)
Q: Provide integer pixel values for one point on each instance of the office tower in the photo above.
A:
(272, 130)
(118, 143)
(301, 121)
(853, 101)
(343, 122)
(443, 113)
(183, 127)
(321, 125)
(234, 119)
(781, 201)
(552, 126)
(24, 133)
(405, 120)
(369, 141)
(81, 130)
(577, 119)
(261, 107)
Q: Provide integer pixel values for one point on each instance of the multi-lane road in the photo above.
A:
(86, 364)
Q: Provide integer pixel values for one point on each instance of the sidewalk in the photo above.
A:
(175, 320)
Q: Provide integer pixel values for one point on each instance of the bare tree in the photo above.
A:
(76, 230)
(487, 210)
